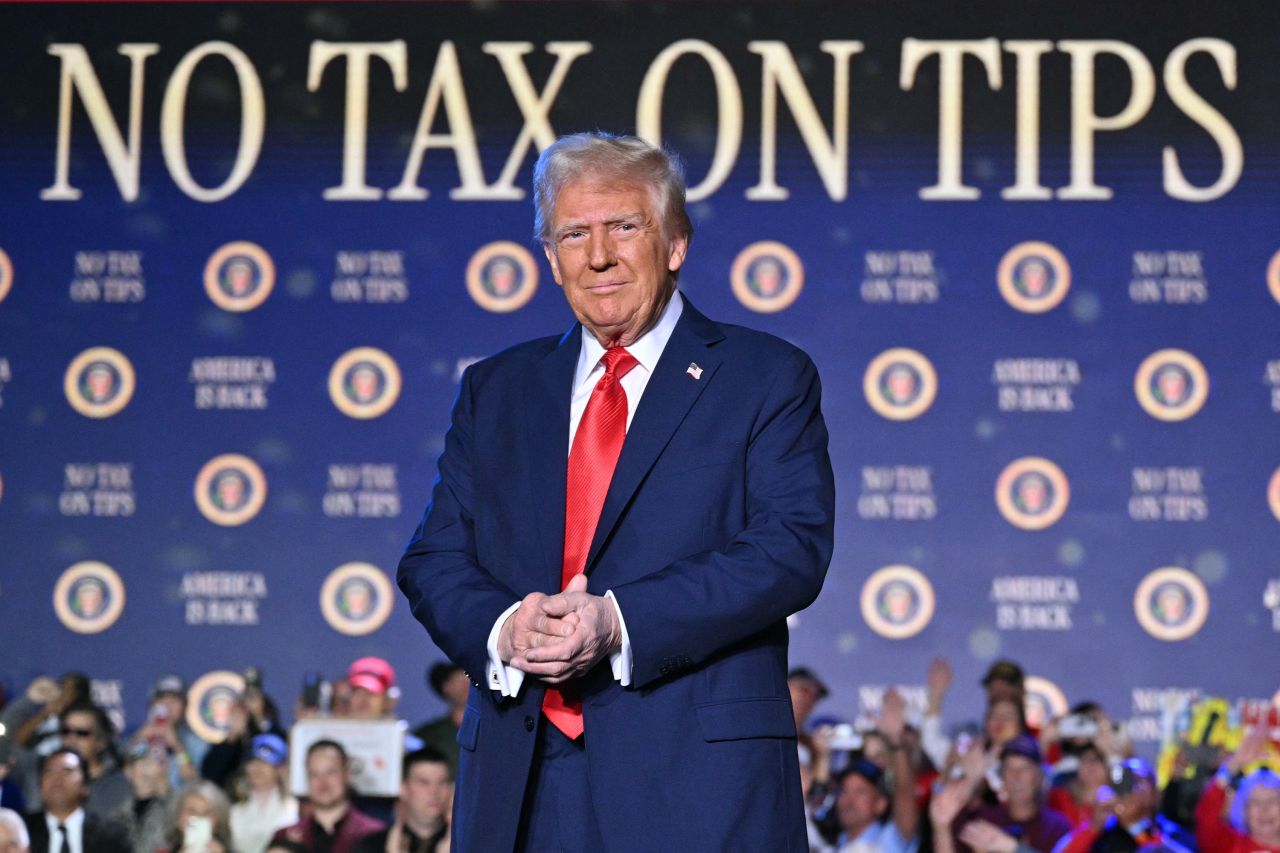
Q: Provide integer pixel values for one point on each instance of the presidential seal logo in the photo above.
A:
(767, 277)
(6, 275)
(1273, 494)
(1171, 603)
(1171, 385)
(1273, 280)
(1034, 277)
(210, 703)
(99, 382)
(356, 599)
(364, 383)
(502, 277)
(89, 597)
(1032, 493)
(900, 384)
(897, 602)
(230, 489)
(239, 276)
(1044, 701)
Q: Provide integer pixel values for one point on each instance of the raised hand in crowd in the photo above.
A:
(986, 837)
(939, 681)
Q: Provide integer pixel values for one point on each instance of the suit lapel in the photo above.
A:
(546, 408)
(670, 393)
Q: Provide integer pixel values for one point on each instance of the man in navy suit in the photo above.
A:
(623, 616)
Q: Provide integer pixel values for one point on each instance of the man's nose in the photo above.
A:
(600, 252)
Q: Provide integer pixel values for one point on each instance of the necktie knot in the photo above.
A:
(618, 362)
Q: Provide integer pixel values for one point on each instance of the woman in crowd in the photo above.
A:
(200, 822)
(267, 805)
(1254, 823)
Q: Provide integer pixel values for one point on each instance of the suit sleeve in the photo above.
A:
(449, 592)
(682, 614)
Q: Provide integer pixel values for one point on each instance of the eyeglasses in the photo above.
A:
(69, 732)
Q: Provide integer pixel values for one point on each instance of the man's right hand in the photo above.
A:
(530, 627)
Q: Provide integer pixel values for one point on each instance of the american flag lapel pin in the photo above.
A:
(693, 370)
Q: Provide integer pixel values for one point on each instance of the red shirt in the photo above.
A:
(1216, 835)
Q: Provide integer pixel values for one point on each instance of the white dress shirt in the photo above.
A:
(647, 350)
(75, 831)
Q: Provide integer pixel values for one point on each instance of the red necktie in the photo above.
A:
(592, 458)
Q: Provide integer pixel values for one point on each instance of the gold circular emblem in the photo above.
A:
(1034, 277)
(502, 277)
(99, 382)
(1171, 385)
(89, 597)
(6, 274)
(1045, 701)
(1171, 603)
(897, 602)
(239, 276)
(230, 489)
(356, 599)
(767, 277)
(1273, 494)
(900, 384)
(364, 383)
(1273, 277)
(211, 702)
(1032, 493)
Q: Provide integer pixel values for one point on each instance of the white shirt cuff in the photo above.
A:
(501, 677)
(620, 661)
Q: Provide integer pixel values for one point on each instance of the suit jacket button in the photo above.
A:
(528, 723)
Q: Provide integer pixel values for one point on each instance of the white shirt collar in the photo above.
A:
(647, 350)
(73, 823)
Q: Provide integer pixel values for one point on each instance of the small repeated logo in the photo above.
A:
(1032, 493)
(1171, 603)
(356, 599)
(1034, 277)
(364, 383)
(1273, 494)
(900, 384)
(1273, 278)
(230, 489)
(1171, 385)
(1044, 701)
(502, 277)
(897, 602)
(767, 277)
(239, 276)
(89, 597)
(211, 702)
(6, 275)
(99, 382)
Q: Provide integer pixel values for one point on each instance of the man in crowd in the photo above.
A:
(422, 812)
(14, 837)
(64, 825)
(373, 689)
(1020, 821)
(1135, 822)
(450, 683)
(166, 728)
(806, 690)
(622, 613)
(85, 728)
(863, 809)
(333, 825)
(146, 814)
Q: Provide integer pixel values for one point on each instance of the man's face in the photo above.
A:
(79, 731)
(62, 784)
(1021, 777)
(859, 804)
(608, 253)
(804, 695)
(1262, 813)
(147, 776)
(367, 705)
(999, 690)
(174, 704)
(261, 775)
(1003, 721)
(326, 778)
(425, 792)
(10, 841)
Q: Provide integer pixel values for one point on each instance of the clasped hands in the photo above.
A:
(559, 637)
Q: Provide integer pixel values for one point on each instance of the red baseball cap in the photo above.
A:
(372, 674)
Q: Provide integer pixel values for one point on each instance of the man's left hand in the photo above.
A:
(596, 635)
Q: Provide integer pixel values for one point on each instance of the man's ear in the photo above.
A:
(679, 248)
(551, 259)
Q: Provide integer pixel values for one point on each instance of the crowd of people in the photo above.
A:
(71, 783)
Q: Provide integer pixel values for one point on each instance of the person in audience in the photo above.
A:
(863, 811)
(1076, 796)
(1133, 796)
(199, 821)
(450, 683)
(32, 723)
(85, 728)
(1005, 680)
(268, 806)
(1253, 825)
(63, 824)
(373, 689)
(1005, 720)
(333, 824)
(252, 715)
(14, 837)
(807, 690)
(146, 815)
(422, 812)
(166, 728)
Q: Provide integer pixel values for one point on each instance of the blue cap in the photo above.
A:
(269, 748)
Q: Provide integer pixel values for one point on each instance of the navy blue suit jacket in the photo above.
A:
(717, 526)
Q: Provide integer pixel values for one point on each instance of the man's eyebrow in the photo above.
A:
(629, 217)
